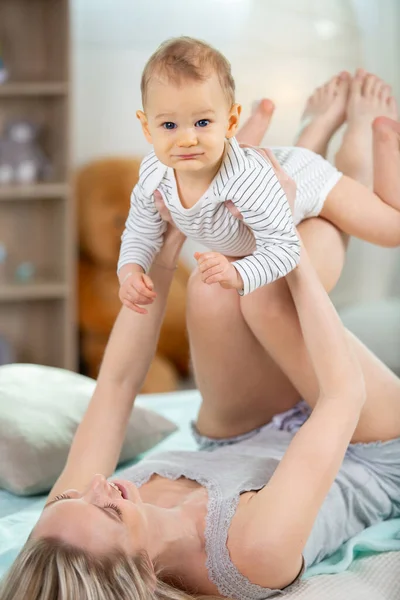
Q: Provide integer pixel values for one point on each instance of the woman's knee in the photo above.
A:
(209, 302)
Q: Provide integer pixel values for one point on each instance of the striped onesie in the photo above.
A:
(264, 241)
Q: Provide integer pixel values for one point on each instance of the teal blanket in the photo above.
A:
(18, 515)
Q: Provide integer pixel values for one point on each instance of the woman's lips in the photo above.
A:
(122, 489)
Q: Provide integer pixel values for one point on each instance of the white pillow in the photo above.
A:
(40, 409)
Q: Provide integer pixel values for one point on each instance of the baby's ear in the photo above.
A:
(145, 125)
(233, 120)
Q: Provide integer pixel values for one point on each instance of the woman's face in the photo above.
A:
(106, 516)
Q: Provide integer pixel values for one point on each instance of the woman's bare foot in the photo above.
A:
(254, 129)
(325, 112)
(386, 146)
(369, 98)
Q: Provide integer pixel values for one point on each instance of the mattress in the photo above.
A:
(370, 578)
(359, 570)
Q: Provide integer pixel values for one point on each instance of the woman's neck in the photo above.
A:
(175, 534)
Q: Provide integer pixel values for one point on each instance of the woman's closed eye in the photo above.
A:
(115, 508)
(110, 505)
(62, 497)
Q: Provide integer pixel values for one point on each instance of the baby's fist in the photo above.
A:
(216, 268)
(137, 289)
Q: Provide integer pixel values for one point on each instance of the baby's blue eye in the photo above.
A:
(169, 125)
(202, 123)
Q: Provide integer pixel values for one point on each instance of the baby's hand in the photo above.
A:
(137, 289)
(216, 268)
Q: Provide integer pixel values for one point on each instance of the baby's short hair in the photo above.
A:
(183, 58)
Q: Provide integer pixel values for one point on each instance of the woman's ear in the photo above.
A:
(233, 120)
(145, 125)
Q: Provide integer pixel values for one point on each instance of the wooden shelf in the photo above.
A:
(45, 88)
(34, 191)
(32, 291)
(37, 221)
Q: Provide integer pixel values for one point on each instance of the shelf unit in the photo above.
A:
(37, 222)
(46, 88)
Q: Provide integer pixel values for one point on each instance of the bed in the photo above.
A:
(367, 567)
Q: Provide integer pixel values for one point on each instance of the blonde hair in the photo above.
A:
(50, 569)
(182, 58)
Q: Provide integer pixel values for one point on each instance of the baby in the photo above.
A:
(191, 117)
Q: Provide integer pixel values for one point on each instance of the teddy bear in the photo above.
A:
(103, 189)
(21, 158)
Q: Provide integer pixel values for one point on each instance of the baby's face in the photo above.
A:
(188, 124)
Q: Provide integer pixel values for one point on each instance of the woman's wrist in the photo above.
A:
(171, 249)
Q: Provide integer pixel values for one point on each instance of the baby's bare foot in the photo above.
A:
(369, 98)
(254, 129)
(324, 113)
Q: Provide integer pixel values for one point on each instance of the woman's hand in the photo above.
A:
(173, 237)
(166, 216)
(162, 209)
(287, 183)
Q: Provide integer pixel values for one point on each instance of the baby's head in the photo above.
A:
(188, 96)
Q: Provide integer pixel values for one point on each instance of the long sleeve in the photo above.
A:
(144, 230)
(262, 202)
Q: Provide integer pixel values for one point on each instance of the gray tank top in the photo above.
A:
(365, 491)
(226, 472)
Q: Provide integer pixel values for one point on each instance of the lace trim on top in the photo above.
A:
(221, 570)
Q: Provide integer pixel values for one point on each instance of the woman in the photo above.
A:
(286, 498)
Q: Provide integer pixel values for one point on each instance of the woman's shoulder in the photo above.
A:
(258, 559)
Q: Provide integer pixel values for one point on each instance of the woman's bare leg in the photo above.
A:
(386, 145)
(241, 385)
(273, 320)
(369, 98)
(374, 217)
(324, 113)
(280, 333)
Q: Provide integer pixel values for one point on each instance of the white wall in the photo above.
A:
(278, 48)
(370, 272)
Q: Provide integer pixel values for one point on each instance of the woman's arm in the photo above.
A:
(280, 518)
(267, 212)
(130, 350)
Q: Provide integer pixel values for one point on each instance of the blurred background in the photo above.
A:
(70, 146)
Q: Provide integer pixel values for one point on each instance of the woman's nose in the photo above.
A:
(98, 485)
